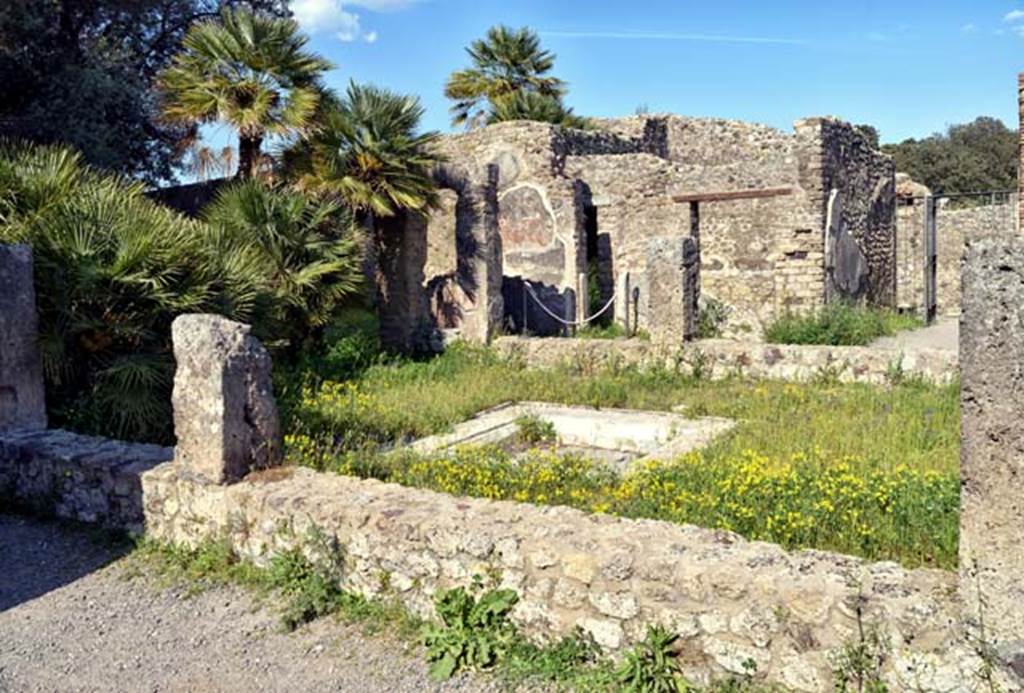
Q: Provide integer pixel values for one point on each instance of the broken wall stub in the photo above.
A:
(672, 280)
(992, 443)
(835, 155)
(225, 416)
(22, 396)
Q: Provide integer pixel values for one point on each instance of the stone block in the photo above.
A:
(992, 441)
(225, 416)
(22, 399)
(673, 273)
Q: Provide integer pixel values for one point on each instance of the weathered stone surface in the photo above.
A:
(721, 358)
(992, 441)
(22, 399)
(672, 284)
(225, 417)
(77, 477)
(954, 228)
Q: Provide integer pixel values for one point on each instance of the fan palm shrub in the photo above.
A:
(284, 260)
(250, 71)
(112, 269)
(505, 62)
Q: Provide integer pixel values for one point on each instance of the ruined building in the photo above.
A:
(540, 227)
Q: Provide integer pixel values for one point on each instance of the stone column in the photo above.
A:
(22, 399)
(992, 443)
(672, 289)
(225, 416)
(1020, 153)
(480, 259)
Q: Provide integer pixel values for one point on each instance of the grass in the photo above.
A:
(838, 324)
(862, 469)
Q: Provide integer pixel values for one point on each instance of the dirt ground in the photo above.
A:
(71, 619)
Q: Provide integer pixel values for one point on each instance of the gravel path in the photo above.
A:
(943, 334)
(71, 620)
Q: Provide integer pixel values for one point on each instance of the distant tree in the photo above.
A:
(81, 72)
(870, 132)
(250, 71)
(970, 157)
(505, 62)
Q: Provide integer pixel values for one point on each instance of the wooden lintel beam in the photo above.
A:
(732, 195)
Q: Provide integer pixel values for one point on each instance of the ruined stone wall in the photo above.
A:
(727, 358)
(834, 155)
(76, 477)
(954, 228)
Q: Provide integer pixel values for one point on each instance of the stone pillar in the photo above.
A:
(480, 259)
(672, 289)
(22, 399)
(1020, 153)
(225, 417)
(992, 443)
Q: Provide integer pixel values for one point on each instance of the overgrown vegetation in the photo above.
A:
(839, 324)
(861, 469)
(113, 269)
(712, 315)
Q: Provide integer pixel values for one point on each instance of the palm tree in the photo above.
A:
(506, 61)
(250, 71)
(529, 105)
(367, 152)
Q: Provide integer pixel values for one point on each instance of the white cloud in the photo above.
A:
(1014, 16)
(969, 28)
(332, 17)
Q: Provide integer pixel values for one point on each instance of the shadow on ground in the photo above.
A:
(38, 557)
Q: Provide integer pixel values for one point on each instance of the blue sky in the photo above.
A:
(909, 67)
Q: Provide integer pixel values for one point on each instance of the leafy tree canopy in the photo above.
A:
(81, 72)
(969, 157)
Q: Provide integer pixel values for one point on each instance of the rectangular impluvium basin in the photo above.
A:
(618, 437)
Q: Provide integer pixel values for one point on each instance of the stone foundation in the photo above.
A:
(722, 358)
(76, 477)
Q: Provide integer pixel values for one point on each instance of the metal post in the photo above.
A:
(930, 259)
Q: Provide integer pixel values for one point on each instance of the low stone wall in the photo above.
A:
(720, 358)
(731, 600)
(76, 477)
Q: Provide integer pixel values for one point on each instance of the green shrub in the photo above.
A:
(284, 260)
(838, 324)
(651, 666)
(113, 269)
(531, 429)
(712, 315)
(474, 633)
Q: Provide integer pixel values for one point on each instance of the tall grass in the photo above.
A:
(858, 468)
(838, 324)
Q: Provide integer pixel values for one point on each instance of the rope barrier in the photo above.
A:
(570, 323)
